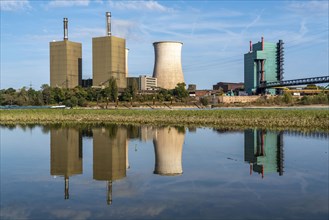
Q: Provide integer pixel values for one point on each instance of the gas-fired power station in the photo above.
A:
(110, 61)
(109, 58)
(167, 64)
(65, 62)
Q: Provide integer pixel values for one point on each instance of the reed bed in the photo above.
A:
(245, 118)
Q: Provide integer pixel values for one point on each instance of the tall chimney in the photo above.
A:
(65, 21)
(108, 23)
(250, 46)
(262, 43)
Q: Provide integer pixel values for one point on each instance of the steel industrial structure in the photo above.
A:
(295, 82)
(263, 63)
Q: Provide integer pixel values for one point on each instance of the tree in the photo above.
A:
(113, 88)
(180, 91)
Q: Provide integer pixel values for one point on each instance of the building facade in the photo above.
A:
(147, 83)
(65, 62)
(263, 63)
(227, 86)
(109, 60)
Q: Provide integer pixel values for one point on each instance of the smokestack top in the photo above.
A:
(262, 43)
(108, 23)
(250, 46)
(65, 22)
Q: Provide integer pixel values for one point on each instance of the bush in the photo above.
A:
(204, 101)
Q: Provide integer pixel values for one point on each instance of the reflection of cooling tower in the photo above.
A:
(168, 66)
(168, 146)
(109, 153)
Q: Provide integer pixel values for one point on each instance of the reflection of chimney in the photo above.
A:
(65, 21)
(66, 189)
(109, 192)
(108, 23)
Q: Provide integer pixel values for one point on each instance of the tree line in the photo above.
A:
(79, 96)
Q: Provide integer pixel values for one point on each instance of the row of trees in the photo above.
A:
(79, 96)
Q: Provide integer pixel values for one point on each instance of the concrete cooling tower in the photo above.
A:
(168, 65)
(168, 147)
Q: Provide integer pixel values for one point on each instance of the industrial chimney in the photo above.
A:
(108, 23)
(65, 21)
(167, 65)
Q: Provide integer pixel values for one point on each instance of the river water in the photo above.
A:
(149, 172)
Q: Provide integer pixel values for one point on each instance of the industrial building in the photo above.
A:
(147, 83)
(262, 64)
(227, 86)
(109, 58)
(65, 62)
(65, 154)
(264, 151)
(143, 82)
(167, 65)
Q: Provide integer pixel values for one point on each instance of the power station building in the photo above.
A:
(109, 58)
(168, 65)
(65, 62)
(263, 63)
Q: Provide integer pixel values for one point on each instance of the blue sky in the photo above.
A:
(215, 35)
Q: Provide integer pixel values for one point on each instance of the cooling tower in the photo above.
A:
(168, 65)
(168, 147)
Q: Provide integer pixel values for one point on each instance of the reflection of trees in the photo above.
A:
(65, 154)
(264, 151)
(109, 155)
(168, 147)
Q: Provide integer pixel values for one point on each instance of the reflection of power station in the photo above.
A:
(264, 151)
(65, 154)
(65, 62)
(167, 65)
(109, 156)
(109, 58)
(168, 147)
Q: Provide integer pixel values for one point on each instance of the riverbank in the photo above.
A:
(316, 119)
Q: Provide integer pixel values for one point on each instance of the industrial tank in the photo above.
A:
(168, 65)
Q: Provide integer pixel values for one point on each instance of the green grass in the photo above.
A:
(245, 118)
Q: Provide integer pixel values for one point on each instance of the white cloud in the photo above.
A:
(67, 3)
(139, 5)
(310, 7)
(12, 5)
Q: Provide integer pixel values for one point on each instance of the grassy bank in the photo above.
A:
(244, 118)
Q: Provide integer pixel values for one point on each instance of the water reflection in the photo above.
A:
(264, 151)
(168, 148)
(110, 158)
(65, 154)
